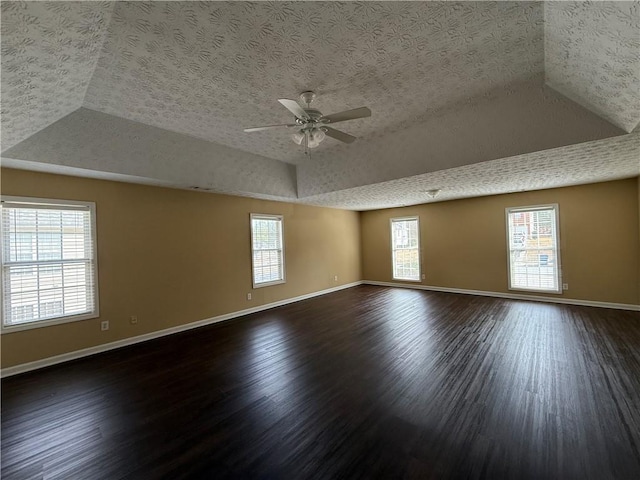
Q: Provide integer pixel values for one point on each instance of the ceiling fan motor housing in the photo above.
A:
(314, 114)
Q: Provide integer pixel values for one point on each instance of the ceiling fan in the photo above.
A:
(311, 125)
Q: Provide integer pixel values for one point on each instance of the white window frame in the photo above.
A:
(55, 204)
(280, 221)
(557, 267)
(393, 256)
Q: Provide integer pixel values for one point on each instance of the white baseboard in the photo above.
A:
(85, 352)
(512, 296)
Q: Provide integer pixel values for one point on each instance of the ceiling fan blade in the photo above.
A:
(294, 107)
(361, 112)
(338, 135)
(269, 127)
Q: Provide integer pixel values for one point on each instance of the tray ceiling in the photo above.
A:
(449, 83)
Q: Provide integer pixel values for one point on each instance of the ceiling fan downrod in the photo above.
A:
(307, 97)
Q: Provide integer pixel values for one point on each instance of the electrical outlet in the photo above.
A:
(335, 278)
(565, 286)
(248, 296)
(104, 325)
(133, 319)
(423, 276)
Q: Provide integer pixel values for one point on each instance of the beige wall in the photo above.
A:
(172, 257)
(464, 241)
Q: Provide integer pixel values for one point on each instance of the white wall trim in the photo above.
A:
(511, 296)
(85, 352)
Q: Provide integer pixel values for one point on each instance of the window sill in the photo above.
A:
(268, 284)
(534, 290)
(19, 327)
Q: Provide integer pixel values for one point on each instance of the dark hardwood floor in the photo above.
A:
(369, 382)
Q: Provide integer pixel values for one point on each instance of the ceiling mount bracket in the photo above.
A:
(307, 97)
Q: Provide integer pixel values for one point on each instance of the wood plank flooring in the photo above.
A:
(369, 382)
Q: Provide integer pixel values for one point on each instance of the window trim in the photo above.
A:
(267, 216)
(393, 270)
(558, 267)
(54, 204)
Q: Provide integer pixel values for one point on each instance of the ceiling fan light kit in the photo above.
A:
(312, 125)
(298, 137)
(315, 137)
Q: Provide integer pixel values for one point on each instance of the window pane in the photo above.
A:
(266, 244)
(48, 267)
(405, 244)
(533, 249)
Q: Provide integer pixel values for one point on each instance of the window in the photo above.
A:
(405, 248)
(48, 262)
(534, 258)
(267, 250)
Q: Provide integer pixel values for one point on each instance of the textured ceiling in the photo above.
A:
(452, 85)
(602, 160)
(105, 143)
(592, 55)
(49, 53)
(208, 69)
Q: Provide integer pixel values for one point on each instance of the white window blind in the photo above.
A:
(405, 248)
(534, 259)
(267, 248)
(48, 261)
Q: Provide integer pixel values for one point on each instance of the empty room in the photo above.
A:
(320, 240)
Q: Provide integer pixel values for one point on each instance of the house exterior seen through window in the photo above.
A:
(405, 248)
(534, 257)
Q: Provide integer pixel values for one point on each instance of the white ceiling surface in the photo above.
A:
(521, 118)
(609, 159)
(210, 69)
(592, 55)
(456, 89)
(92, 140)
(49, 53)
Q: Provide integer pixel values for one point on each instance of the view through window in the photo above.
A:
(405, 247)
(533, 248)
